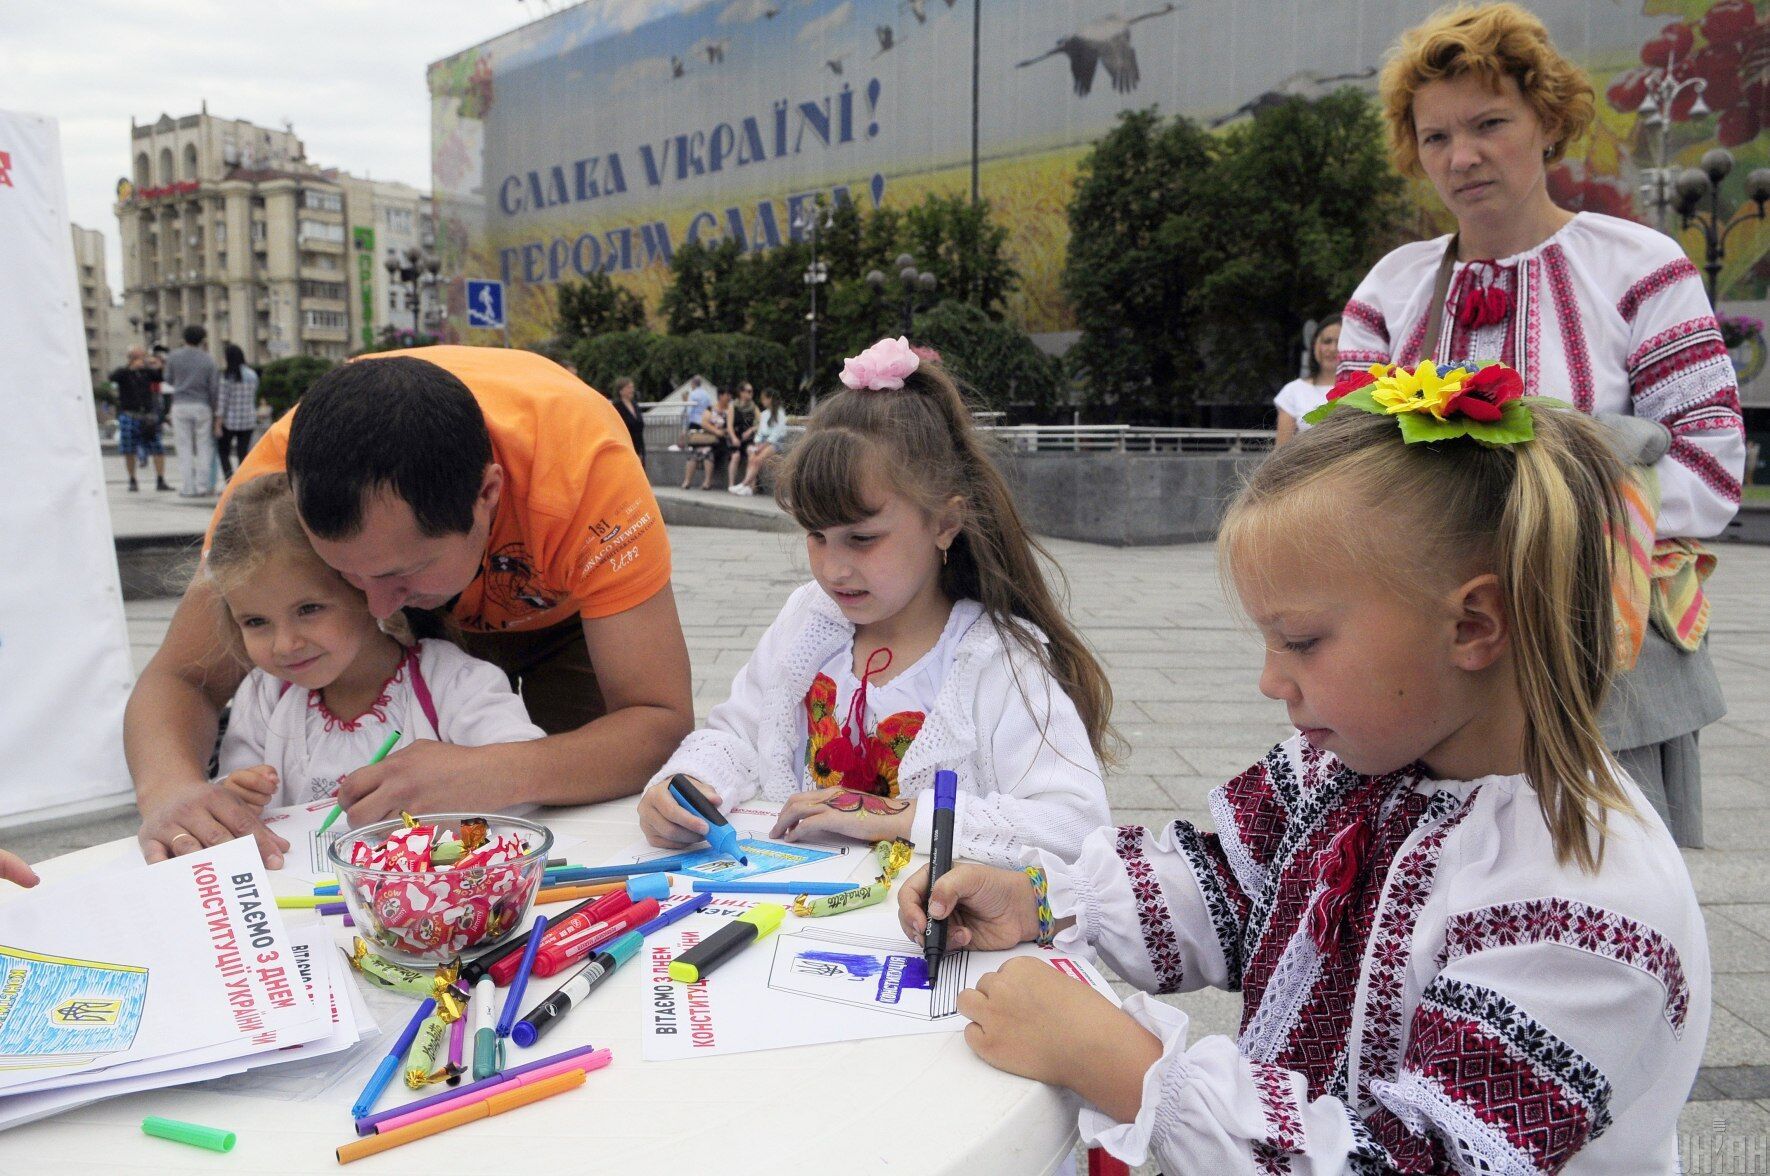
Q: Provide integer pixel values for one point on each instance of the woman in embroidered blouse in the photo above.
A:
(1605, 312)
(328, 685)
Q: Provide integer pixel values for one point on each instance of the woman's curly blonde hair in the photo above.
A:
(1492, 41)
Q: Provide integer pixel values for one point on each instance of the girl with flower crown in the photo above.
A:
(929, 639)
(1479, 102)
(1464, 939)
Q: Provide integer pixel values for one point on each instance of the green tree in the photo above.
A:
(964, 247)
(703, 292)
(998, 362)
(595, 306)
(283, 382)
(603, 359)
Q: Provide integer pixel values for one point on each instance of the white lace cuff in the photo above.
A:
(1130, 1142)
(922, 823)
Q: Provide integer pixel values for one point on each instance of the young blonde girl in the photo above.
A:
(928, 640)
(329, 686)
(1464, 940)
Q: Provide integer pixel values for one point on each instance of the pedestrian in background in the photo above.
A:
(138, 417)
(192, 374)
(237, 414)
(627, 404)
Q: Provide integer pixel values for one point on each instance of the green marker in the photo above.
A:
(195, 1134)
(338, 809)
(693, 965)
(485, 1027)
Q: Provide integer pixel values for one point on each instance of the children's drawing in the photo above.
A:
(56, 1011)
(765, 858)
(885, 975)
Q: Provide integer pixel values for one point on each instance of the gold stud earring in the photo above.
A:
(943, 557)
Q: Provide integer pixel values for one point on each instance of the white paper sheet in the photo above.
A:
(842, 978)
(180, 963)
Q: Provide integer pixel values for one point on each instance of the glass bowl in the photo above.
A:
(427, 918)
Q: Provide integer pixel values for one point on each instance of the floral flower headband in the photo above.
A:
(1486, 404)
(885, 365)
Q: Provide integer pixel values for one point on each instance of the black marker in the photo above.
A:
(946, 788)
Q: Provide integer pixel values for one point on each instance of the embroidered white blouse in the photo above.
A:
(290, 728)
(1027, 775)
(1605, 314)
(1482, 1008)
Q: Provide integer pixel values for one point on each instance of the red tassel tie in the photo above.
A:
(1475, 306)
(1336, 875)
(852, 755)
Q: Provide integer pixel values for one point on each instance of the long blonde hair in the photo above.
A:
(920, 441)
(1538, 515)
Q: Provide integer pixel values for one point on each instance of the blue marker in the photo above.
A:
(520, 982)
(390, 1064)
(655, 865)
(946, 789)
(674, 914)
(701, 887)
(720, 835)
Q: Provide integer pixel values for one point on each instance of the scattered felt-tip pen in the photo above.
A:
(946, 789)
(697, 962)
(538, 1020)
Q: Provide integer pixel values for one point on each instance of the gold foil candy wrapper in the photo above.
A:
(474, 833)
(892, 857)
(449, 1005)
(835, 904)
(422, 1056)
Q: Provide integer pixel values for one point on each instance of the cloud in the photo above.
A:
(644, 72)
(820, 27)
(747, 11)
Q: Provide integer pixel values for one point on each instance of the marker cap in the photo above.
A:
(649, 886)
(946, 788)
(626, 947)
(765, 917)
(195, 1134)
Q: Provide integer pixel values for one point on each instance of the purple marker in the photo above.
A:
(457, 1045)
(331, 908)
(366, 1124)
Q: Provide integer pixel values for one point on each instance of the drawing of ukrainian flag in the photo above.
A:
(56, 1011)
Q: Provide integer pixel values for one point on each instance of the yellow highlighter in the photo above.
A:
(694, 964)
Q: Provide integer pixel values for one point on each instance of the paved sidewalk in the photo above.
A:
(1183, 670)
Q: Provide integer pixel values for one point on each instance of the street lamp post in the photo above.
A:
(808, 222)
(914, 282)
(416, 269)
(1693, 184)
(1664, 86)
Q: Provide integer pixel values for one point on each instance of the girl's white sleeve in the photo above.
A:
(1045, 789)
(475, 706)
(248, 723)
(1515, 1060)
(723, 753)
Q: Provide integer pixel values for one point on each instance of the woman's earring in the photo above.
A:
(943, 557)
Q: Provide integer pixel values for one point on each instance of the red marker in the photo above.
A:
(557, 957)
(585, 914)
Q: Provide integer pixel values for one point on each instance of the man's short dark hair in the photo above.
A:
(398, 424)
(194, 335)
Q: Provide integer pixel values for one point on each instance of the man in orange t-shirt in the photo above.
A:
(481, 483)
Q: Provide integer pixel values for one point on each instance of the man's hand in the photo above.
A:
(1030, 1019)
(13, 869)
(200, 816)
(256, 785)
(426, 777)
(846, 812)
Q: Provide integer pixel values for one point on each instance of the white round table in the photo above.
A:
(917, 1104)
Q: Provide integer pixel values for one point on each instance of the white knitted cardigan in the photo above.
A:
(1027, 775)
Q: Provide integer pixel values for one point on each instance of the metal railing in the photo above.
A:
(663, 425)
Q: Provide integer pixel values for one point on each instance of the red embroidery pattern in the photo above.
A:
(886, 743)
(1278, 1100)
(1477, 1050)
(1352, 361)
(1573, 337)
(1410, 886)
(1368, 317)
(1157, 926)
(378, 708)
(1574, 924)
(1410, 351)
(1666, 276)
(1703, 464)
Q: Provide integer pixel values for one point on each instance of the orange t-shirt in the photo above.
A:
(577, 531)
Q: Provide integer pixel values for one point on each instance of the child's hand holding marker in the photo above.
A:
(986, 908)
(256, 785)
(668, 823)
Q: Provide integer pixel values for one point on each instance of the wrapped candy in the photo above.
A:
(847, 900)
(386, 974)
(422, 1056)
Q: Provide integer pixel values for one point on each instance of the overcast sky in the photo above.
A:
(349, 74)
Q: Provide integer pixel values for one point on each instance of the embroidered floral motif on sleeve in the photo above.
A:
(1574, 924)
(1224, 900)
(1416, 342)
(1495, 1083)
(1368, 317)
(1152, 911)
(1667, 275)
(1284, 1117)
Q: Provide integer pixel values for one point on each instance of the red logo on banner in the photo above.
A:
(5, 169)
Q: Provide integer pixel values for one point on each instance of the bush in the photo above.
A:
(603, 359)
(999, 362)
(283, 382)
(660, 363)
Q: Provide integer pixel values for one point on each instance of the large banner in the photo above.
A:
(64, 650)
(571, 145)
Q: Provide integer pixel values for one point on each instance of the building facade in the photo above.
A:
(107, 332)
(227, 225)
